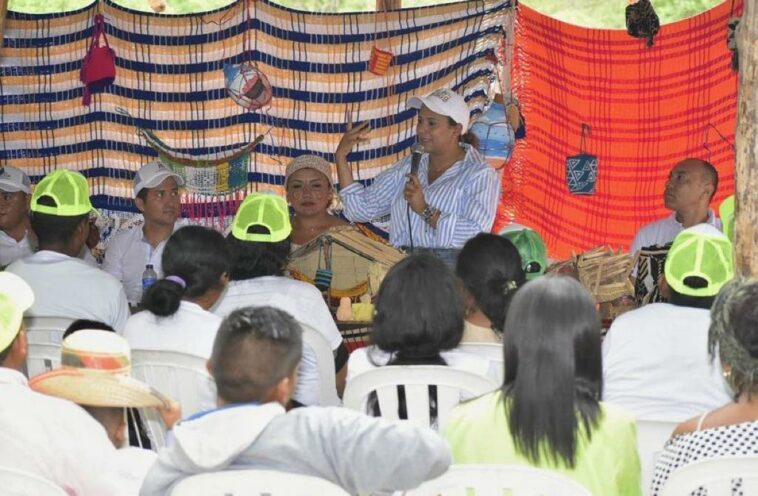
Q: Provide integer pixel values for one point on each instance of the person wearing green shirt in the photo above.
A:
(548, 413)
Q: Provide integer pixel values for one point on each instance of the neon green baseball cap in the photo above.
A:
(530, 246)
(15, 298)
(267, 211)
(69, 190)
(700, 261)
(726, 212)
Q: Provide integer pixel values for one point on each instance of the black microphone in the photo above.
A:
(416, 151)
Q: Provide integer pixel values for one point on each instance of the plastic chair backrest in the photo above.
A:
(415, 379)
(19, 483)
(180, 376)
(485, 480)
(715, 475)
(44, 335)
(651, 436)
(255, 483)
(492, 352)
(325, 361)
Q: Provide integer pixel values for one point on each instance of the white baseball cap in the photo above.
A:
(152, 174)
(444, 102)
(13, 179)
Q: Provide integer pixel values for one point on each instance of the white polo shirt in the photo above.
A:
(301, 300)
(12, 250)
(57, 440)
(656, 364)
(126, 257)
(70, 287)
(664, 231)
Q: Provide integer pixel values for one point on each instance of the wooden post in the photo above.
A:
(388, 5)
(3, 15)
(746, 156)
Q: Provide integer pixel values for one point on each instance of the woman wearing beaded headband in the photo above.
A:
(733, 428)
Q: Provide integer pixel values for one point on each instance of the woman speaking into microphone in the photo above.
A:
(453, 195)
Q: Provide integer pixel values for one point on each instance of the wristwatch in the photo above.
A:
(428, 213)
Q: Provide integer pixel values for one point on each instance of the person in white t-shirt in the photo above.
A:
(655, 358)
(418, 321)
(156, 195)
(45, 436)
(15, 242)
(260, 245)
(175, 315)
(689, 191)
(65, 285)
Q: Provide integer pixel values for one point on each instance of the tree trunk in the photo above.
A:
(3, 14)
(746, 157)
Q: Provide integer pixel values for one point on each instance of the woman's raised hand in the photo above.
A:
(352, 136)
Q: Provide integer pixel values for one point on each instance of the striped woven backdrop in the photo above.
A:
(648, 108)
(170, 80)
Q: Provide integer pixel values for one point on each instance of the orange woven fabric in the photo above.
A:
(648, 109)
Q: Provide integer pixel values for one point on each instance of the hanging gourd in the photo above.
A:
(247, 85)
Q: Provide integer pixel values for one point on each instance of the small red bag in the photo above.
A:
(99, 65)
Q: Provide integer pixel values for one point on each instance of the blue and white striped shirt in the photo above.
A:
(466, 195)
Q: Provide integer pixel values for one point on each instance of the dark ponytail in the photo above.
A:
(195, 256)
(470, 139)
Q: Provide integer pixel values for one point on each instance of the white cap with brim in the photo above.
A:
(13, 180)
(16, 297)
(152, 174)
(444, 102)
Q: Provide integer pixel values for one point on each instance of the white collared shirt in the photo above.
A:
(656, 364)
(664, 231)
(126, 257)
(12, 250)
(301, 300)
(70, 287)
(57, 440)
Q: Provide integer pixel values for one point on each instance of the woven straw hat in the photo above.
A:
(308, 162)
(94, 371)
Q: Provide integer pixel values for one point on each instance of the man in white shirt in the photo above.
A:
(64, 285)
(42, 435)
(689, 191)
(655, 358)
(15, 241)
(260, 247)
(156, 195)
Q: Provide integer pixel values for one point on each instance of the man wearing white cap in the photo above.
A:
(48, 437)
(15, 239)
(156, 195)
(453, 194)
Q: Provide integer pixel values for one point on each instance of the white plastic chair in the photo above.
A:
(416, 379)
(179, 376)
(44, 335)
(255, 483)
(492, 352)
(651, 436)
(19, 483)
(487, 480)
(715, 475)
(325, 362)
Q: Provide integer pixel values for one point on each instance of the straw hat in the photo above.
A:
(95, 372)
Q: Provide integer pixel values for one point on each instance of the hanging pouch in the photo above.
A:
(99, 65)
(581, 170)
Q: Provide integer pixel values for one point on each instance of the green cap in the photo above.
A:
(15, 298)
(530, 246)
(267, 211)
(699, 261)
(726, 212)
(70, 191)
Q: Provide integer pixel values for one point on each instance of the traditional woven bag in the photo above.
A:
(581, 170)
(99, 65)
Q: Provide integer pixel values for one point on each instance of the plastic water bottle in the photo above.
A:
(148, 277)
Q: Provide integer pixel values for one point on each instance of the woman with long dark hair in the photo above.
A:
(490, 268)
(548, 413)
(418, 320)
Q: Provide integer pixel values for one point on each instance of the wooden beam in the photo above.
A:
(746, 156)
(3, 15)
(388, 5)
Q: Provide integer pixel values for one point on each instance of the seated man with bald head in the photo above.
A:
(689, 191)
